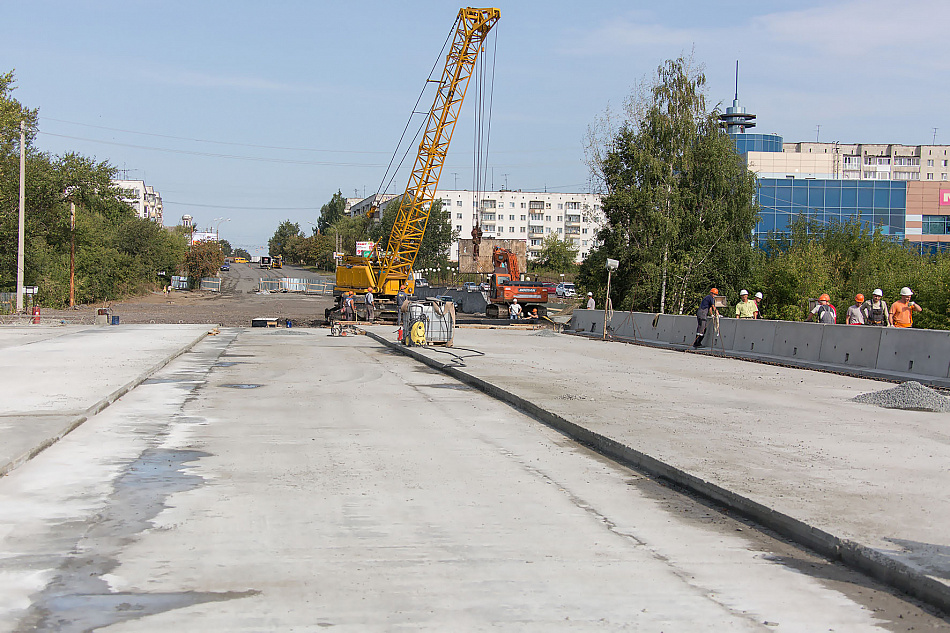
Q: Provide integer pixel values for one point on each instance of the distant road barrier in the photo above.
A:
(211, 283)
(294, 284)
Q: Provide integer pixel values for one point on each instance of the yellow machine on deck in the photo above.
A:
(386, 269)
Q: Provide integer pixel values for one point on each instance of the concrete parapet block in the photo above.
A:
(589, 321)
(659, 332)
(850, 345)
(924, 352)
(623, 324)
(682, 329)
(754, 335)
(726, 338)
(801, 341)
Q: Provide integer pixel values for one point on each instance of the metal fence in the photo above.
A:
(211, 283)
(7, 302)
(292, 284)
(179, 283)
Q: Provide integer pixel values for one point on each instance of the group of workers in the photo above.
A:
(871, 312)
(516, 312)
(369, 303)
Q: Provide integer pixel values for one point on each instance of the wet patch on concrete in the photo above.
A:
(241, 386)
(79, 599)
(228, 363)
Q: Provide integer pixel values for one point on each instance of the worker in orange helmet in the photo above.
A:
(707, 305)
(824, 312)
(856, 313)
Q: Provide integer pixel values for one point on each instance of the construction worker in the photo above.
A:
(514, 310)
(746, 308)
(369, 302)
(855, 315)
(758, 305)
(401, 297)
(591, 304)
(875, 311)
(902, 310)
(349, 306)
(707, 305)
(824, 312)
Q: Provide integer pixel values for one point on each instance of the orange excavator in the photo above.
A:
(506, 286)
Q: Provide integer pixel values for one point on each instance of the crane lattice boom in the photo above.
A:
(472, 27)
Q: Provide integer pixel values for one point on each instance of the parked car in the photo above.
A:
(551, 287)
(422, 283)
(565, 289)
(484, 286)
(226, 266)
(470, 286)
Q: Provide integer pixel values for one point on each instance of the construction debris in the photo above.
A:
(910, 395)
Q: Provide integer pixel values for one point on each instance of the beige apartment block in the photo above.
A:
(855, 161)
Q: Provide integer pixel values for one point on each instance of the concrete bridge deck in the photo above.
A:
(227, 529)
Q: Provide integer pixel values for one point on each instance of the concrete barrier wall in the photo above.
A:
(912, 351)
(850, 345)
(925, 353)
(800, 341)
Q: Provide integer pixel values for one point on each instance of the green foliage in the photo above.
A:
(680, 204)
(844, 259)
(556, 255)
(240, 252)
(280, 243)
(225, 247)
(116, 252)
(332, 212)
(204, 259)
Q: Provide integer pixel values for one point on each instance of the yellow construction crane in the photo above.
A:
(386, 269)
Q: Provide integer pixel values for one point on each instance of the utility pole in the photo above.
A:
(456, 174)
(72, 253)
(935, 136)
(19, 252)
(818, 133)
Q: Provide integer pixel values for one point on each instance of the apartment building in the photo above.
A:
(143, 198)
(903, 190)
(524, 215)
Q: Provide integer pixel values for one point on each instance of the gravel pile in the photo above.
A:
(910, 395)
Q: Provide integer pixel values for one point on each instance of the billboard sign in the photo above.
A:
(944, 197)
(364, 249)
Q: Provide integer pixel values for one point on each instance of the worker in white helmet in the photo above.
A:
(902, 310)
(758, 305)
(746, 308)
(590, 301)
(514, 310)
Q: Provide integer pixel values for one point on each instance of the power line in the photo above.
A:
(201, 140)
(285, 161)
(228, 206)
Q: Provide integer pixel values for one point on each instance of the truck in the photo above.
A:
(505, 285)
(277, 261)
(265, 261)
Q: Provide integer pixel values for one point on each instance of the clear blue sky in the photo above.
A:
(312, 96)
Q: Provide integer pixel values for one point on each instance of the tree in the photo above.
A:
(280, 242)
(331, 212)
(556, 255)
(240, 252)
(204, 259)
(680, 203)
(225, 247)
